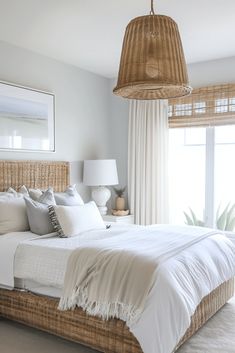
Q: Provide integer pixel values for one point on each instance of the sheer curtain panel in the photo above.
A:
(148, 161)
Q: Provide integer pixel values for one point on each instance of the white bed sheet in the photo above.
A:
(8, 246)
(37, 288)
(181, 284)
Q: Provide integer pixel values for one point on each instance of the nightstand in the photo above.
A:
(119, 219)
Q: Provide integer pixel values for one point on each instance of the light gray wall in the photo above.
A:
(119, 132)
(82, 106)
(200, 74)
(212, 72)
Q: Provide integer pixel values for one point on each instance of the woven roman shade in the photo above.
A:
(207, 106)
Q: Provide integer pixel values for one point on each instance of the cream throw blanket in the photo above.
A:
(112, 277)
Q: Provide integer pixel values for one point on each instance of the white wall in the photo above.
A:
(82, 106)
(200, 74)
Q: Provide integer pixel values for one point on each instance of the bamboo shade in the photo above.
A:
(207, 106)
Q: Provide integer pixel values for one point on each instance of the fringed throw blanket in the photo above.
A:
(112, 277)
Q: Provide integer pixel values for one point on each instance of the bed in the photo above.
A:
(41, 311)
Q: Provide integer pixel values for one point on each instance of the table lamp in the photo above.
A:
(99, 173)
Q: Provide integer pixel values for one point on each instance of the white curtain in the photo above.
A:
(148, 161)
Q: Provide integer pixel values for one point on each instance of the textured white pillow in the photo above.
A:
(73, 220)
(13, 216)
(69, 198)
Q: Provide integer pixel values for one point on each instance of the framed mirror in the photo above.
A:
(27, 119)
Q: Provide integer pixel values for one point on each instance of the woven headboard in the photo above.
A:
(34, 174)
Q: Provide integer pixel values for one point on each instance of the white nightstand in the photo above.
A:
(119, 219)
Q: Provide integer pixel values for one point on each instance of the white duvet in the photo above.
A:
(181, 283)
(113, 277)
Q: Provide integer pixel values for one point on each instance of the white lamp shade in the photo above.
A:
(100, 172)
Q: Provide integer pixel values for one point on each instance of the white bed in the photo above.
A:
(183, 281)
(40, 264)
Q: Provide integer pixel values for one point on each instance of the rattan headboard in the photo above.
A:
(34, 174)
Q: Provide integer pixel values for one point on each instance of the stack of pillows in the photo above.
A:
(45, 212)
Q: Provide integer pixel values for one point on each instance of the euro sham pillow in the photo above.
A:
(38, 217)
(13, 215)
(69, 198)
(69, 221)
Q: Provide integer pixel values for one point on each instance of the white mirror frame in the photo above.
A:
(22, 107)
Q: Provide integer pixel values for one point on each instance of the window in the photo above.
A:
(187, 172)
(202, 150)
(202, 176)
(224, 172)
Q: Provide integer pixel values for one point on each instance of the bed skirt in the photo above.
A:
(111, 336)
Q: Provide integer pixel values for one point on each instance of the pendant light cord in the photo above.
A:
(152, 9)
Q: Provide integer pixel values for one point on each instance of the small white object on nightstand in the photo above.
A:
(119, 219)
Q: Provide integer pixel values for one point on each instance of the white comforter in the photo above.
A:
(181, 283)
(113, 277)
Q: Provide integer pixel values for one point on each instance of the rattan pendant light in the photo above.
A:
(152, 63)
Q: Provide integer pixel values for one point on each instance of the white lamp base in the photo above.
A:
(101, 195)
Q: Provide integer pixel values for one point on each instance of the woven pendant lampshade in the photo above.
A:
(152, 63)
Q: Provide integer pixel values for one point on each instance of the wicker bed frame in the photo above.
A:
(112, 336)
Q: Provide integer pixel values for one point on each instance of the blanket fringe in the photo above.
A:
(106, 311)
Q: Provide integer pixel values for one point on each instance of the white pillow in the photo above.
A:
(47, 197)
(35, 194)
(9, 194)
(42, 196)
(69, 198)
(22, 191)
(13, 216)
(73, 220)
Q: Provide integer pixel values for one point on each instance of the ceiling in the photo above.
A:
(89, 33)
